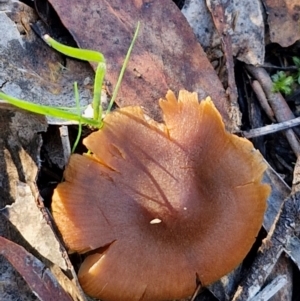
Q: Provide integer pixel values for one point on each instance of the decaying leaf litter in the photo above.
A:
(41, 82)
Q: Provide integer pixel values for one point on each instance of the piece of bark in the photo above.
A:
(246, 28)
(283, 270)
(270, 292)
(296, 178)
(293, 247)
(223, 23)
(19, 158)
(282, 240)
(280, 191)
(273, 247)
(283, 21)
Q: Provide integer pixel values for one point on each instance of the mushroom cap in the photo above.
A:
(158, 206)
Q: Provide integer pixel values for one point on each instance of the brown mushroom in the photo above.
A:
(159, 205)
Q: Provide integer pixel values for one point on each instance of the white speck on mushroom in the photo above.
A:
(155, 221)
(184, 208)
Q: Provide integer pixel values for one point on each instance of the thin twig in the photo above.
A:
(223, 24)
(278, 104)
(271, 289)
(64, 136)
(197, 290)
(261, 96)
(287, 68)
(280, 107)
(272, 128)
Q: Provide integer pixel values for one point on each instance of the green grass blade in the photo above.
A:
(81, 54)
(98, 82)
(76, 94)
(49, 111)
(114, 96)
(86, 55)
(65, 113)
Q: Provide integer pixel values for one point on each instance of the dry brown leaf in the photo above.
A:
(28, 219)
(166, 54)
(283, 20)
(19, 158)
(34, 272)
(158, 204)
